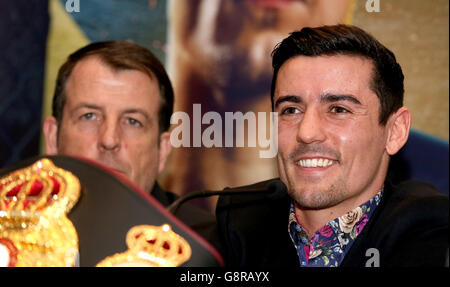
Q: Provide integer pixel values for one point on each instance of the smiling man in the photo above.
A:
(338, 93)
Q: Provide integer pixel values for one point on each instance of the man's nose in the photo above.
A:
(109, 136)
(310, 128)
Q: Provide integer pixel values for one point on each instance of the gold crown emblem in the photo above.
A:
(34, 229)
(151, 246)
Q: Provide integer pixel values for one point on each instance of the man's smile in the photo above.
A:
(315, 162)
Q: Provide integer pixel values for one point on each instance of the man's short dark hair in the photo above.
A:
(387, 76)
(118, 55)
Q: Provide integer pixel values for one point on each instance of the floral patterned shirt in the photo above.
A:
(328, 246)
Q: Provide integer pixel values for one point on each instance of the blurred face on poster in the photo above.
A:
(227, 43)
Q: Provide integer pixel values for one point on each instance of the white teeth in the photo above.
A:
(315, 162)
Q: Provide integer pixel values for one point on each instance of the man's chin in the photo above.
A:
(314, 197)
(115, 168)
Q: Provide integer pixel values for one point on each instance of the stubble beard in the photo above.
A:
(318, 198)
(310, 195)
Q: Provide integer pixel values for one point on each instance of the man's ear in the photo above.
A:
(399, 125)
(50, 129)
(164, 150)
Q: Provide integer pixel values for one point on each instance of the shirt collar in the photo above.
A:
(336, 236)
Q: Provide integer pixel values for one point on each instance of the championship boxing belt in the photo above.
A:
(65, 211)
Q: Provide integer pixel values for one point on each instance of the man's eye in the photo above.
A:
(290, 110)
(88, 116)
(339, 110)
(134, 122)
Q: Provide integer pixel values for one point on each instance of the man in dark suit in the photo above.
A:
(338, 93)
(112, 104)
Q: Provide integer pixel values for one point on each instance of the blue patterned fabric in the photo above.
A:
(328, 246)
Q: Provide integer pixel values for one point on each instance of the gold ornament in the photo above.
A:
(151, 246)
(34, 229)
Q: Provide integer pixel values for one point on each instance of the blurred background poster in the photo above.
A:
(217, 53)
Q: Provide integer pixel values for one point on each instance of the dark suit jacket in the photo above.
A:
(409, 228)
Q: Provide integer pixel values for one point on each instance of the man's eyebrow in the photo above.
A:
(125, 111)
(288, 98)
(88, 106)
(136, 110)
(329, 98)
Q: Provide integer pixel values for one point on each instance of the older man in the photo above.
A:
(112, 104)
(339, 96)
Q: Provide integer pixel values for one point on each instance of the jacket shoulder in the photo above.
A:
(251, 225)
(419, 202)
(409, 228)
